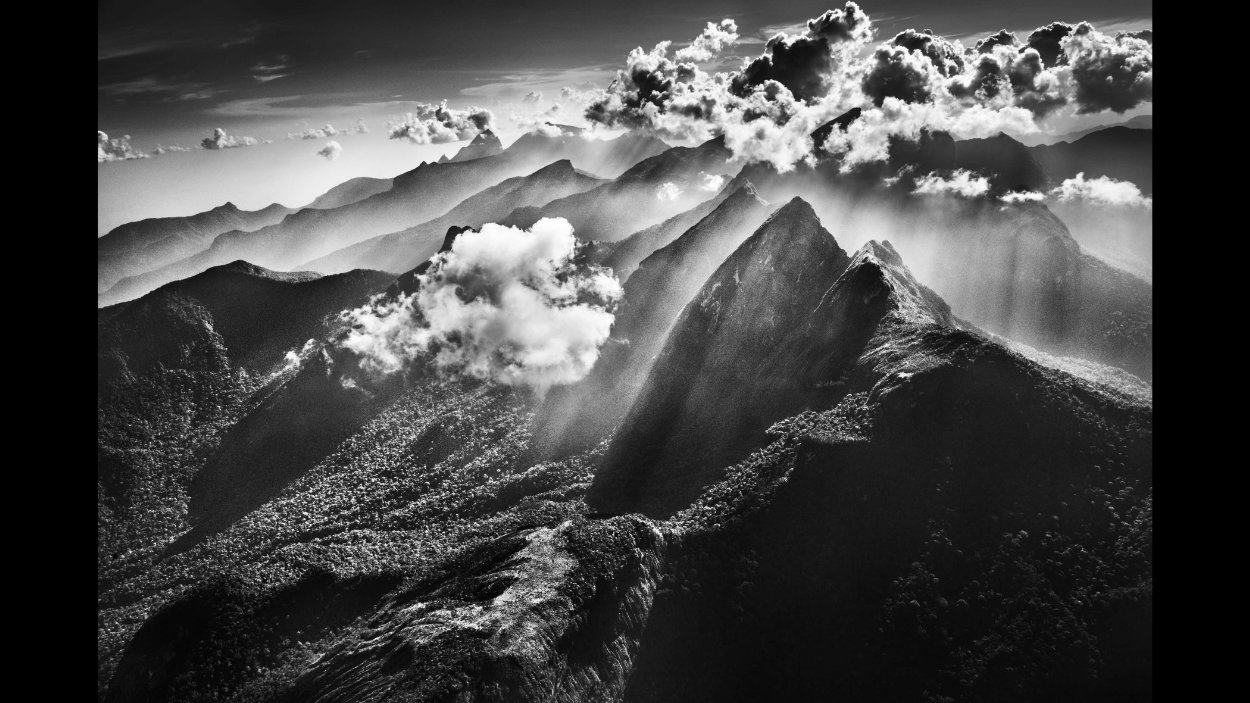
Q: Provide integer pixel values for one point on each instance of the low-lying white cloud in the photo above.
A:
(504, 304)
(667, 192)
(710, 182)
(1023, 196)
(962, 183)
(1102, 190)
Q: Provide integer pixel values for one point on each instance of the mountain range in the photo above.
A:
(844, 440)
(414, 197)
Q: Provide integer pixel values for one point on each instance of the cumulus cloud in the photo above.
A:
(439, 124)
(534, 96)
(1146, 35)
(1047, 42)
(1000, 38)
(220, 140)
(330, 151)
(714, 39)
(172, 148)
(115, 149)
(900, 73)
(667, 192)
(1110, 73)
(504, 304)
(917, 80)
(1007, 76)
(806, 63)
(329, 130)
(314, 133)
(1102, 190)
(962, 183)
(710, 182)
(946, 56)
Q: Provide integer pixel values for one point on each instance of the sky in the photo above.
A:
(171, 72)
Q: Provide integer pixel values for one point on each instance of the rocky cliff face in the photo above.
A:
(739, 358)
(574, 417)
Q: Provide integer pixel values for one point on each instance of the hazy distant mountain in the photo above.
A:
(1016, 270)
(602, 158)
(136, 247)
(630, 252)
(416, 196)
(484, 144)
(403, 250)
(638, 198)
(1123, 153)
(1008, 163)
(349, 192)
(1139, 122)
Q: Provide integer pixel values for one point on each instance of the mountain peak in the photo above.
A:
(751, 347)
(714, 143)
(560, 168)
(877, 269)
(484, 144)
(794, 210)
(742, 189)
(484, 137)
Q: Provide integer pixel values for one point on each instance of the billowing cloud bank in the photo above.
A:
(439, 124)
(221, 140)
(767, 109)
(504, 304)
(115, 149)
